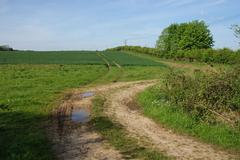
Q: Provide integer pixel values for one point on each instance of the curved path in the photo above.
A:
(174, 145)
(81, 143)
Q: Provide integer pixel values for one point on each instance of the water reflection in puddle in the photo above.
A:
(87, 94)
(80, 116)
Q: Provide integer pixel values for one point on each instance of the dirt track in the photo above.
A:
(81, 143)
(178, 146)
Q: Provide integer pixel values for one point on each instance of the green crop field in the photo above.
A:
(54, 57)
(126, 59)
(73, 57)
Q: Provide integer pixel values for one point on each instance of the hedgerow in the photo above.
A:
(211, 98)
(224, 56)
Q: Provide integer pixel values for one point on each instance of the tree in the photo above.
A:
(168, 39)
(185, 36)
(6, 48)
(236, 29)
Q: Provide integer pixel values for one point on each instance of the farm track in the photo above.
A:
(80, 142)
(105, 60)
(121, 107)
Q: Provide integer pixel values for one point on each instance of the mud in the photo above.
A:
(72, 135)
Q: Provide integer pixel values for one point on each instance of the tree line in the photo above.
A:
(190, 41)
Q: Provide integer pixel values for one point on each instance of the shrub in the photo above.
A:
(207, 97)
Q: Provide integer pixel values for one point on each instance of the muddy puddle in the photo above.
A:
(87, 94)
(74, 113)
(80, 116)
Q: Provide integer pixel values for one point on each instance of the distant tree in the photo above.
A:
(236, 29)
(185, 36)
(5, 48)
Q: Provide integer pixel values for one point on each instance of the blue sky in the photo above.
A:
(99, 24)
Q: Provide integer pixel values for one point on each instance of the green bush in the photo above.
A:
(206, 97)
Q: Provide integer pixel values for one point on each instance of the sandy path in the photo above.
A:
(165, 140)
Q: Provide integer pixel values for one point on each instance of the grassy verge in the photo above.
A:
(116, 135)
(156, 107)
(26, 95)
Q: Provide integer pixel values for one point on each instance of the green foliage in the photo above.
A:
(206, 97)
(168, 40)
(27, 92)
(185, 36)
(224, 56)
